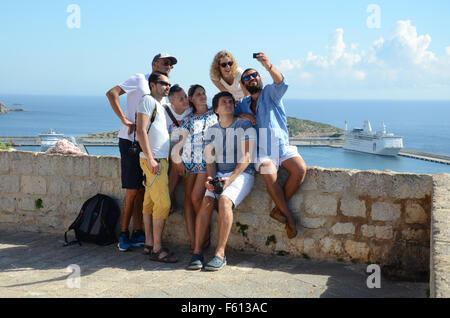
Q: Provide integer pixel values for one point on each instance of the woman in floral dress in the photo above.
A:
(193, 167)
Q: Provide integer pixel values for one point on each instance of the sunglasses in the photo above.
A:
(225, 64)
(247, 77)
(164, 83)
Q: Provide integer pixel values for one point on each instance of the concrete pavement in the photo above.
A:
(36, 265)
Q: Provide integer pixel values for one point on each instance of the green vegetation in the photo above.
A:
(5, 146)
(298, 127)
(242, 229)
(271, 239)
(38, 204)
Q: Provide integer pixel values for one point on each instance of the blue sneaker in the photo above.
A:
(124, 243)
(216, 264)
(137, 238)
(196, 262)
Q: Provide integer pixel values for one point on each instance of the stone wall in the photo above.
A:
(348, 215)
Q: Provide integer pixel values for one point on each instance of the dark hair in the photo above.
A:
(191, 92)
(154, 77)
(174, 89)
(218, 96)
(242, 76)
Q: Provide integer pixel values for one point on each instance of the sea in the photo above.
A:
(424, 126)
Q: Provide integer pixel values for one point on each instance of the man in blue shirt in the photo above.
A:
(266, 106)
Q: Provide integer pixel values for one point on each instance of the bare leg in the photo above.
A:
(174, 178)
(275, 191)
(198, 191)
(148, 227)
(225, 223)
(189, 213)
(127, 208)
(137, 209)
(202, 223)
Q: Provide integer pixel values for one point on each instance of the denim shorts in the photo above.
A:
(132, 175)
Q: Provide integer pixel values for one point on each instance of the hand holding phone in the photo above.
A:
(255, 55)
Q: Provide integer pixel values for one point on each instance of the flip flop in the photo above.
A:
(150, 249)
(168, 258)
(277, 215)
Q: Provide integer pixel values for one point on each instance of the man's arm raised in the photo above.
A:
(274, 73)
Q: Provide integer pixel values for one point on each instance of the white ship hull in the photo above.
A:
(385, 146)
(48, 140)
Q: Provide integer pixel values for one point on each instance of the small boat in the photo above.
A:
(49, 139)
(368, 141)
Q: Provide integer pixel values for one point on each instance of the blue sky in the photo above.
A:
(324, 48)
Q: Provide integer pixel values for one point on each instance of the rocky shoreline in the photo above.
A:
(4, 109)
(298, 128)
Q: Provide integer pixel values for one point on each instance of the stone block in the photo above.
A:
(4, 161)
(312, 223)
(353, 207)
(9, 184)
(372, 184)
(59, 186)
(383, 211)
(73, 207)
(320, 204)
(86, 188)
(106, 167)
(47, 165)
(343, 228)
(75, 166)
(33, 185)
(415, 213)
(334, 181)
(411, 186)
(22, 163)
(417, 235)
(368, 230)
(26, 204)
(357, 250)
(330, 246)
(7, 204)
(384, 232)
(310, 183)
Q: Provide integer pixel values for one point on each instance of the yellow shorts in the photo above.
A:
(156, 198)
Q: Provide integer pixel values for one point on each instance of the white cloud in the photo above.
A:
(402, 60)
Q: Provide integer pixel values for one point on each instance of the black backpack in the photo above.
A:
(96, 221)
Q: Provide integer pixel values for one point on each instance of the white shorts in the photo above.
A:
(291, 152)
(236, 191)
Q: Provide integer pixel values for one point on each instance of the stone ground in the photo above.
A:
(35, 265)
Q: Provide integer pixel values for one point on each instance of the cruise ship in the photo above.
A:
(49, 139)
(368, 141)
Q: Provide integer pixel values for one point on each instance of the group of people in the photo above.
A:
(168, 136)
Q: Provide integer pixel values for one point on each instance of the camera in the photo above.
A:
(255, 55)
(218, 185)
(134, 149)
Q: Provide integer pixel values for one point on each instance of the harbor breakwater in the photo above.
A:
(397, 220)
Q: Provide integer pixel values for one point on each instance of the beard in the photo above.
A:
(254, 89)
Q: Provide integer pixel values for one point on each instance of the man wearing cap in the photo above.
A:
(135, 87)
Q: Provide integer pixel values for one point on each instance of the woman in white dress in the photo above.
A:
(226, 75)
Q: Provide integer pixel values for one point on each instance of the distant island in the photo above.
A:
(297, 128)
(4, 109)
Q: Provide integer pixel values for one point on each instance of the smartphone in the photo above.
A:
(255, 55)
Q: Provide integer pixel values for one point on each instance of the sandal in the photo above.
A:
(168, 258)
(277, 215)
(149, 248)
(291, 230)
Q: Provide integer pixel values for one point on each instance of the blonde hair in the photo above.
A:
(214, 72)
